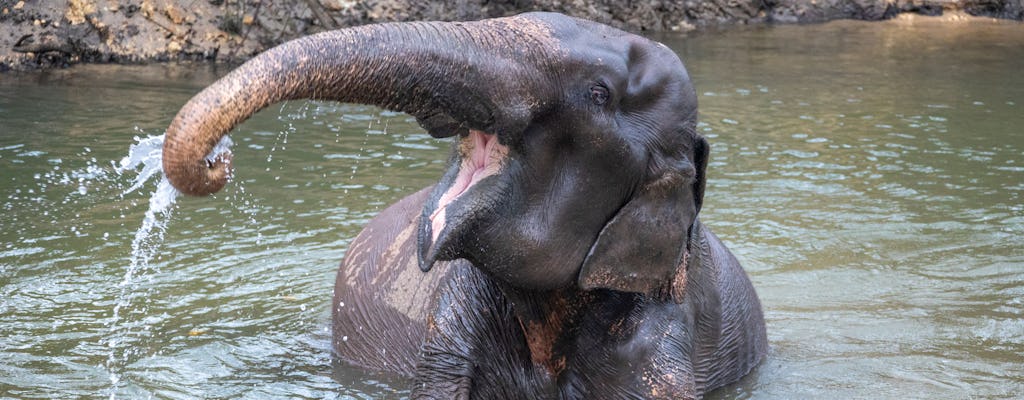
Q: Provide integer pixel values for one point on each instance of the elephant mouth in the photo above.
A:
(482, 156)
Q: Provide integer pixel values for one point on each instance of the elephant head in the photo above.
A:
(577, 160)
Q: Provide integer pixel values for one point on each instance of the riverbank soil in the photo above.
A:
(55, 33)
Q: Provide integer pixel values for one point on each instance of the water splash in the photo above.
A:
(145, 157)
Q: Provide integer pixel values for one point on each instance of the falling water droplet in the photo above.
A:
(145, 157)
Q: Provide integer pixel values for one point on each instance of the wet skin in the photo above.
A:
(560, 255)
(458, 331)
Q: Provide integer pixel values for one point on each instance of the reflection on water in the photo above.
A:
(871, 182)
(868, 176)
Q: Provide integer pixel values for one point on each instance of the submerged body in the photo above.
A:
(598, 344)
(560, 254)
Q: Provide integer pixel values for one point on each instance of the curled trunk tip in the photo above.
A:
(212, 174)
(192, 136)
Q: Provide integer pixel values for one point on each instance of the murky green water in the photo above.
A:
(870, 177)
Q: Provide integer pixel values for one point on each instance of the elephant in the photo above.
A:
(560, 254)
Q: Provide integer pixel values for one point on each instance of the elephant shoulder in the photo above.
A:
(381, 297)
(713, 338)
(741, 338)
(385, 244)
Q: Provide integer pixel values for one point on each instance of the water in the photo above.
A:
(868, 176)
(145, 156)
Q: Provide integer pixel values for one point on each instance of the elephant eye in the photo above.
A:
(599, 94)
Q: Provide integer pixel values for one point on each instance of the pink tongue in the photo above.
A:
(480, 163)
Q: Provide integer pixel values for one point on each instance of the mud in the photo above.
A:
(52, 33)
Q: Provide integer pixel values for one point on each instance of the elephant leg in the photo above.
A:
(381, 298)
(475, 347)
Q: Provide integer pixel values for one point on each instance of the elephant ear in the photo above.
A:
(643, 248)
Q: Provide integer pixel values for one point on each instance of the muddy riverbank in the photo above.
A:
(45, 34)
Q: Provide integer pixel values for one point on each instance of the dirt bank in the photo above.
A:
(54, 33)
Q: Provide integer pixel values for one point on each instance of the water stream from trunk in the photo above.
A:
(144, 157)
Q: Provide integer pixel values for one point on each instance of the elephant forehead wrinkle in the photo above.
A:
(523, 38)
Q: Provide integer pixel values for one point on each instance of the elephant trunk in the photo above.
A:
(450, 76)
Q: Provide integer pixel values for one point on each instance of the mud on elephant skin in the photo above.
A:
(560, 255)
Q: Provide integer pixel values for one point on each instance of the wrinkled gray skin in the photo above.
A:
(560, 256)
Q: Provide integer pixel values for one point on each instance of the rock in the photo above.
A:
(147, 7)
(116, 31)
(78, 10)
(338, 5)
(174, 14)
